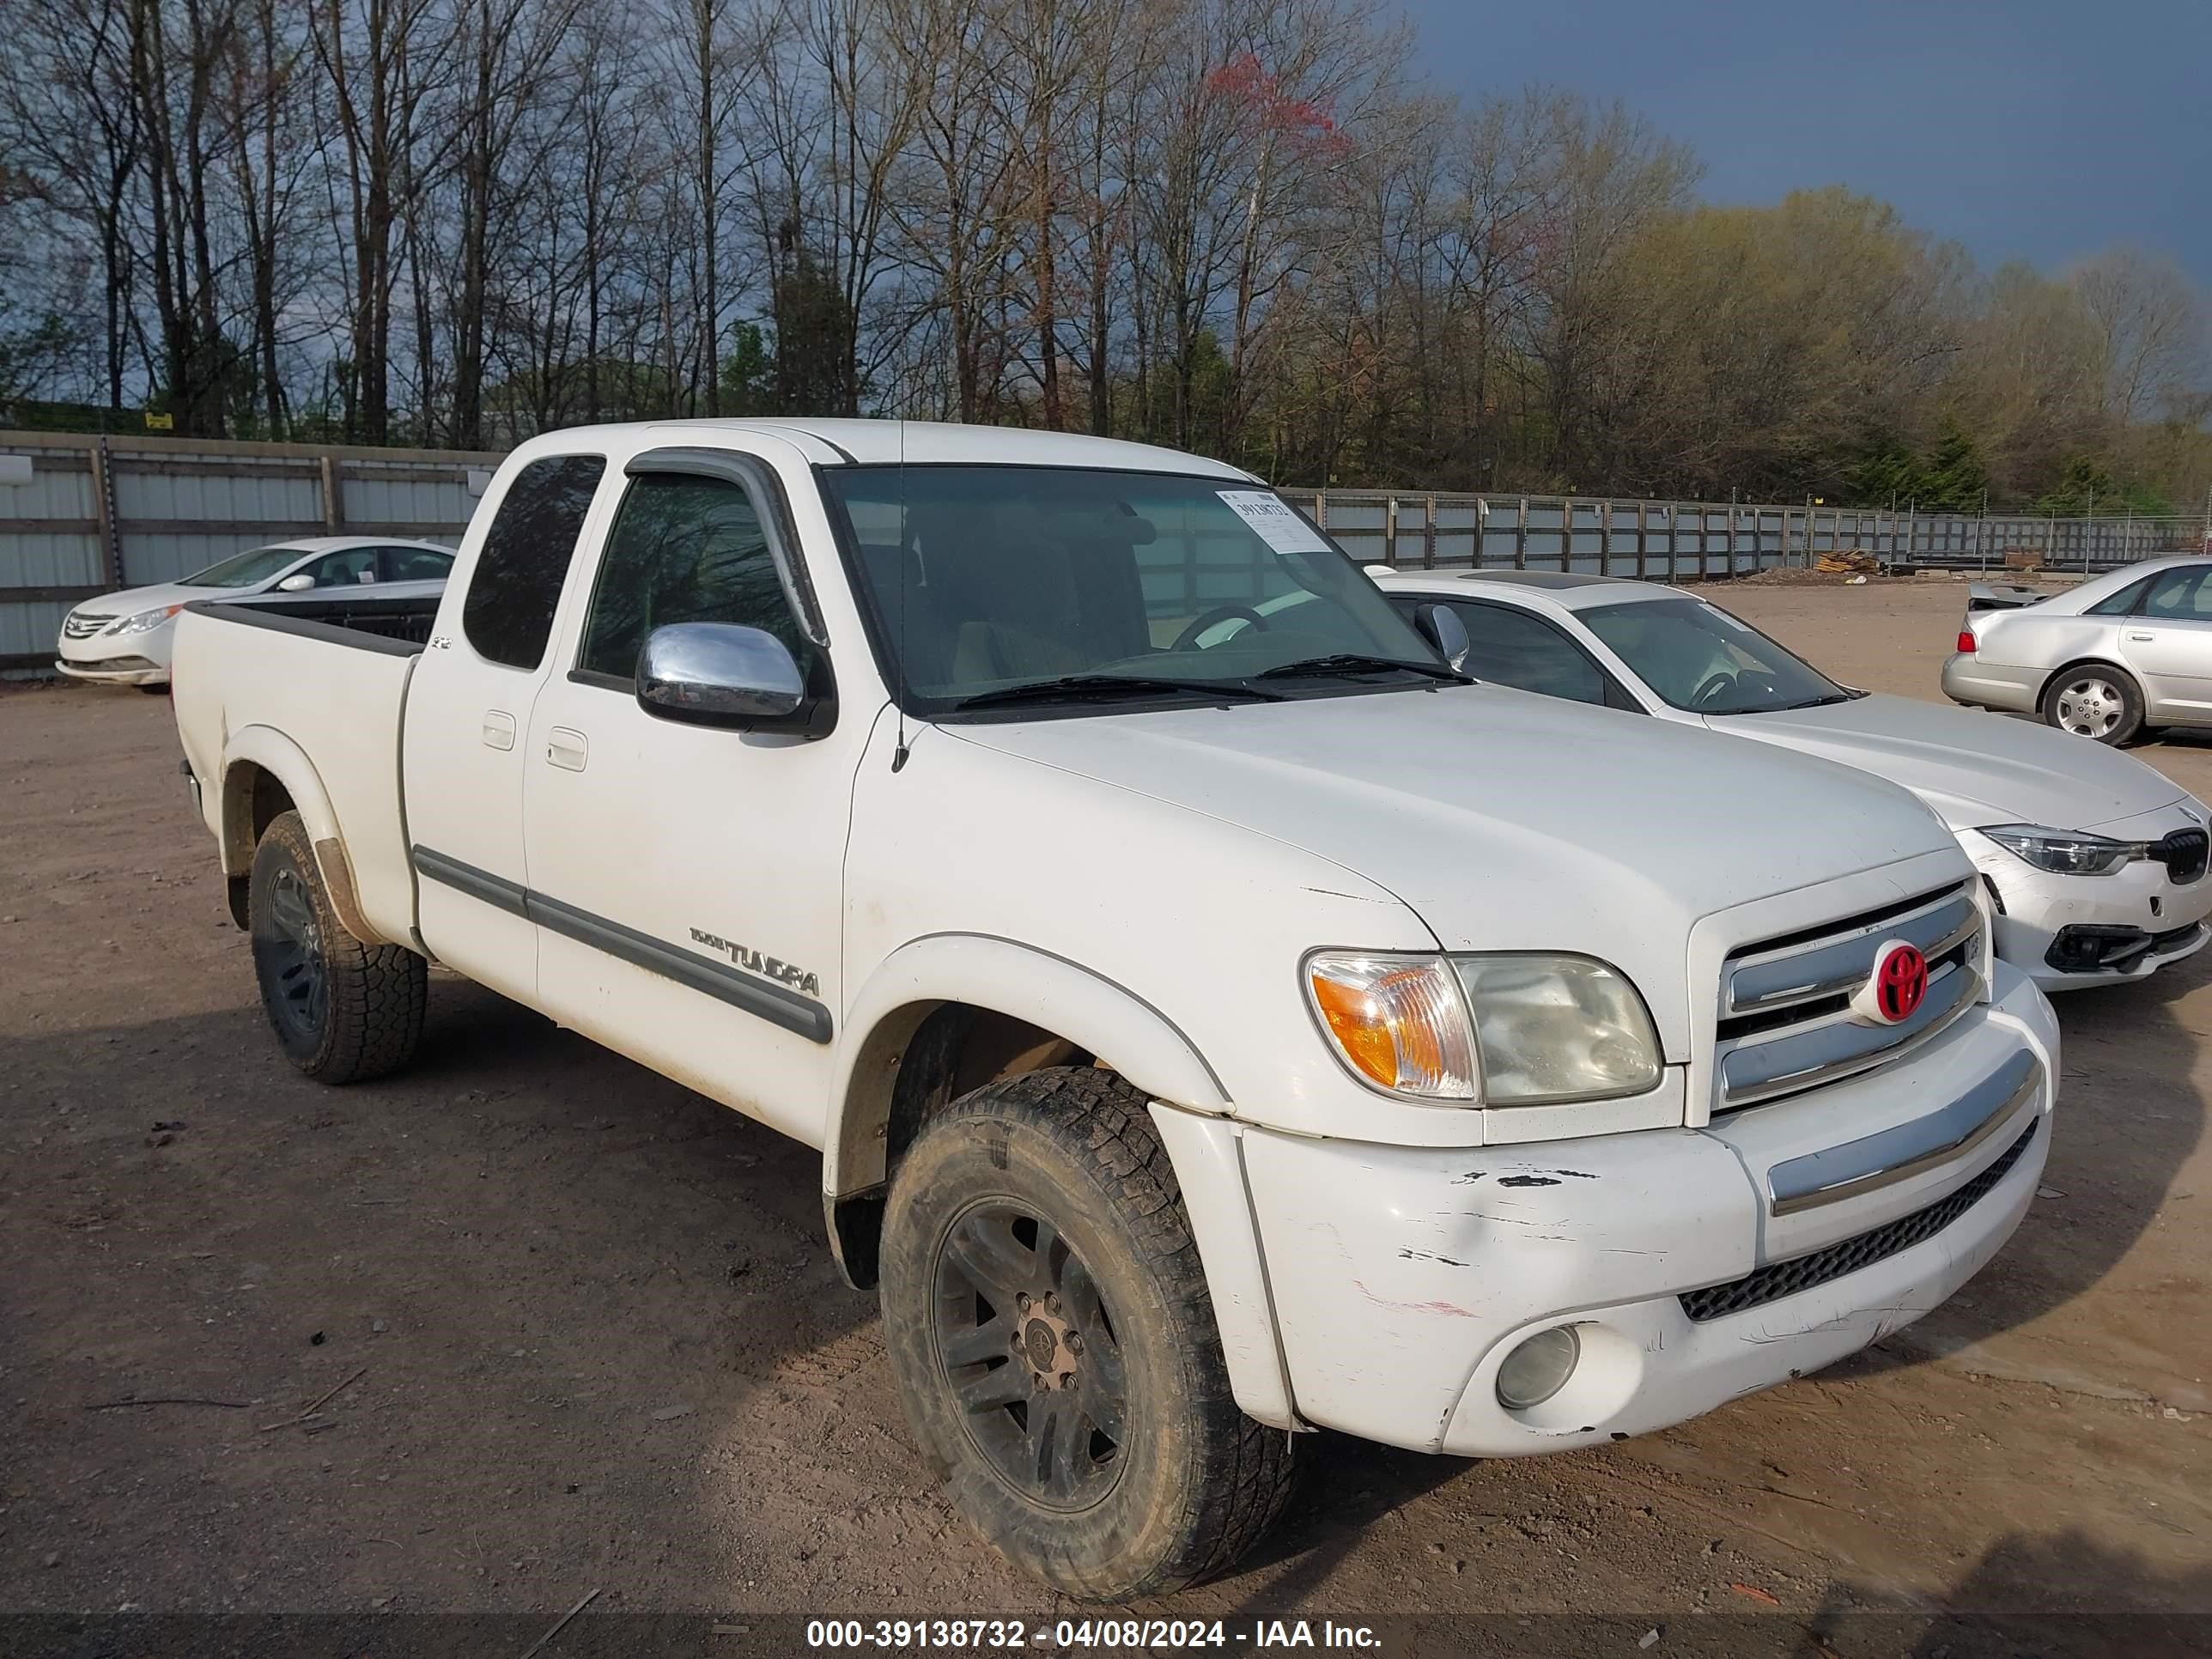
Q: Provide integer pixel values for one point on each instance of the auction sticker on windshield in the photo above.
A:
(1275, 519)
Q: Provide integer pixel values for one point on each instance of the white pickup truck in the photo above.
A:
(1195, 1056)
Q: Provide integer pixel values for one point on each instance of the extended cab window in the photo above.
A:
(508, 613)
(683, 549)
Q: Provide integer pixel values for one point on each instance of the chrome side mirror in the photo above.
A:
(721, 674)
(1441, 627)
(298, 582)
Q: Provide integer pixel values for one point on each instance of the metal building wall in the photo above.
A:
(95, 514)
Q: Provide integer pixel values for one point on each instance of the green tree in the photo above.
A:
(2087, 489)
(1953, 478)
(749, 369)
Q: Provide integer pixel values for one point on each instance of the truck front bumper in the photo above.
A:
(1690, 1262)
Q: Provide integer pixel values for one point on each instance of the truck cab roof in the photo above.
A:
(832, 442)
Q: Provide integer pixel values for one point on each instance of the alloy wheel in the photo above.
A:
(2090, 706)
(296, 973)
(1028, 1348)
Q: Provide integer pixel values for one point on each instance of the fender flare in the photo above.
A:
(1008, 977)
(1190, 1113)
(265, 747)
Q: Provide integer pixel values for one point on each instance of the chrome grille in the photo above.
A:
(82, 625)
(1786, 1023)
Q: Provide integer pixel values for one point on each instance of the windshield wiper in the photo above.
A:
(1083, 687)
(1351, 662)
(1824, 700)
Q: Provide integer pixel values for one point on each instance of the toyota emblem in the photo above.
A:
(1896, 986)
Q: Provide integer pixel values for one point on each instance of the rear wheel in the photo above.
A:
(342, 1011)
(1054, 1344)
(2094, 700)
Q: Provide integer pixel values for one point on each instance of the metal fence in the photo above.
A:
(1691, 541)
(82, 514)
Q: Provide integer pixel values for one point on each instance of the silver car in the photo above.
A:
(2130, 650)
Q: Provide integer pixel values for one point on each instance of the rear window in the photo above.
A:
(516, 586)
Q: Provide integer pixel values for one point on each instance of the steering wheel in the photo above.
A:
(1715, 684)
(1220, 613)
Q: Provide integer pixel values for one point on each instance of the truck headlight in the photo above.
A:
(145, 620)
(1520, 1029)
(1555, 1029)
(2062, 852)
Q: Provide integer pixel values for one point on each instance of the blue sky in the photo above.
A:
(2031, 130)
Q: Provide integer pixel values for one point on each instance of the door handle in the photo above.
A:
(2145, 638)
(566, 748)
(498, 729)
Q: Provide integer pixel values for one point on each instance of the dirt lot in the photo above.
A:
(586, 1334)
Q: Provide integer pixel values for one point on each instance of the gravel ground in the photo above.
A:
(584, 1333)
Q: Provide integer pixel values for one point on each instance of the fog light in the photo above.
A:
(1538, 1367)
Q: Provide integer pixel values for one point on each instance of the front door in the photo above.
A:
(2168, 643)
(688, 880)
(468, 714)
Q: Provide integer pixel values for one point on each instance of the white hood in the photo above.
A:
(1972, 768)
(1504, 820)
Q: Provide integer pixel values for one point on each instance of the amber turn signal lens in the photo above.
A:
(1398, 1021)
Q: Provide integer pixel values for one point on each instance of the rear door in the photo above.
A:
(2167, 642)
(468, 722)
(688, 879)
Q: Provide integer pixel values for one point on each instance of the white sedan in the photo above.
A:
(123, 639)
(2095, 861)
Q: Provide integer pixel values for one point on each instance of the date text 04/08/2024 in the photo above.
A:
(1085, 1633)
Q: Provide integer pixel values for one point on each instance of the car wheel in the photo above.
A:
(1055, 1344)
(343, 1011)
(2093, 700)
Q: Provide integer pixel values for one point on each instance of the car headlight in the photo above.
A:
(2062, 852)
(145, 620)
(1519, 1030)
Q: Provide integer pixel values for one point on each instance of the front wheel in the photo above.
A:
(1055, 1344)
(2091, 699)
(343, 1011)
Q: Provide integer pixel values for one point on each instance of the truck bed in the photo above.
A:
(311, 692)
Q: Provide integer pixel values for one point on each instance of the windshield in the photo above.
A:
(1023, 587)
(1698, 657)
(245, 569)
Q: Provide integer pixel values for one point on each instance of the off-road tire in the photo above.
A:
(1198, 1482)
(342, 1011)
(2125, 730)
